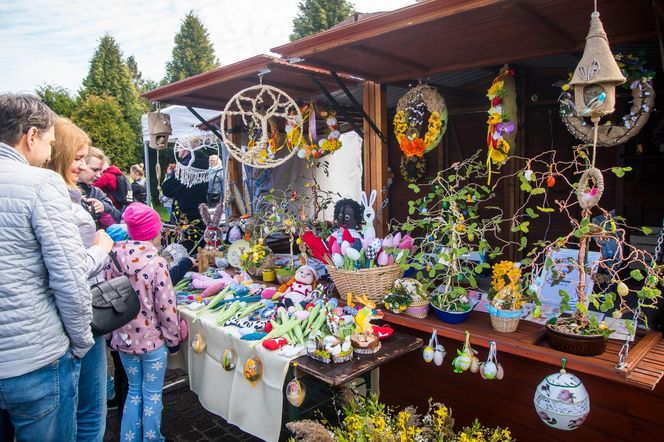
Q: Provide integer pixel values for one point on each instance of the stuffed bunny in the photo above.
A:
(368, 230)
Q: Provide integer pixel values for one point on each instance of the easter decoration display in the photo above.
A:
(331, 342)
(409, 120)
(505, 297)
(562, 401)
(311, 148)
(466, 359)
(229, 359)
(415, 290)
(450, 227)
(253, 369)
(261, 108)
(491, 369)
(368, 216)
(295, 392)
(502, 122)
(187, 150)
(300, 287)
(364, 340)
(199, 343)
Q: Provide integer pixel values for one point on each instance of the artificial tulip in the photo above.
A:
(335, 248)
(396, 240)
(346, 236)
(390, 260)
(406, 242)
(353, 254)
(344, 247)
(382, 258)
(388, 241)
(338, 260)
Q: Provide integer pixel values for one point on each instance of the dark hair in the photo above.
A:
(357, 208)
(20, 112)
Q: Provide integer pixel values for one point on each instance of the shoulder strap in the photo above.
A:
(116, 263)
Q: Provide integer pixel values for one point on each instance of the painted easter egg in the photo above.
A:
(229, 359)
(562, 401)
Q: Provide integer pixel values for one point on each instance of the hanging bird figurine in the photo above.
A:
(593, 104)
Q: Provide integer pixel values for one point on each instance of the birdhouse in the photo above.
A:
(597, 74)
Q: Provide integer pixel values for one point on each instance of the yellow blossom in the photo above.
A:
(495, 89)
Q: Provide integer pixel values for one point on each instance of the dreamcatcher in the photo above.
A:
(260, 108)
(186, 150)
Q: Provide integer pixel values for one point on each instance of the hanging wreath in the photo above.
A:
(260, 108)
(409, 119)
(502, 121)
(591, 188)
(639, 81)
(311, 148)
(413, 168)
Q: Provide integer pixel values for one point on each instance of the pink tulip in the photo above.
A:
(388, 241)
(406, 242)
(390, 260)
(382, 259)
(397, 239)
(336, 248)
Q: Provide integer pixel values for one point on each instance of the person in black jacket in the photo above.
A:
(94, 161)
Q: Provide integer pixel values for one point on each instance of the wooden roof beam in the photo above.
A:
(537, 23)
(334, 67)
(282, 85)
(377, 53)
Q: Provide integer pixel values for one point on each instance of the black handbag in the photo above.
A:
(114, 302)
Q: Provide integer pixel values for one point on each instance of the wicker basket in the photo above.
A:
(576, 344)
(504, 321)
(418, 309)
(373, 282)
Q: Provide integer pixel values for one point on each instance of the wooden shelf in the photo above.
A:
(529, 342)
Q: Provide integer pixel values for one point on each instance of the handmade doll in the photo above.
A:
(234, 231)
(299, 287)
(347, 215)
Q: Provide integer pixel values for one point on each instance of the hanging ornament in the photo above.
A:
(253, 369)
(551, 180)
(464, 360)
(260, 108)
(597, 75)
(310, 147)
(295, 392)
(409, 118)
(491, 369)
(434, 351)
(229, 359)
(198, 344)
(428, 351)
(591, 188)
(413, 169)
(561, 400)
(192, 151)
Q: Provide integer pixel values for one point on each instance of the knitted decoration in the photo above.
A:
(185, 172)
(591, 188)
(259, 108)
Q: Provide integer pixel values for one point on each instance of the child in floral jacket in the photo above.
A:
(144, 342)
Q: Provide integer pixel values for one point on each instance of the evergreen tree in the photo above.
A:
(319, 15)
(101, 117)
(135, 74)
(109, 75)
(193, 52)
(59, 99)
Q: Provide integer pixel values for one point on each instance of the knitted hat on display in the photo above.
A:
(143, 222)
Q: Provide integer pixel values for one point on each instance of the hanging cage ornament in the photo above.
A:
(597, 74)
(259, 107)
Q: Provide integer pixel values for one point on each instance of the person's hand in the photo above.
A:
(194, 262)
(98, 205)
(103, 240)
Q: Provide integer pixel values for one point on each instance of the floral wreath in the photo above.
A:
(412, 168)
(311, 148)
(410, 116)
(502, 117)
(639, 81)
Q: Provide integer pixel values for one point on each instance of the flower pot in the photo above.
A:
(581, 345)
(418, 309)
(451, 317)
(284, 274)
(504, 321)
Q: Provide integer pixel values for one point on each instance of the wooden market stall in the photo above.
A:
(458, 46)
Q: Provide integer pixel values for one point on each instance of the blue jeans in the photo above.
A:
(41, 404)
(142, 409)
(91, 412)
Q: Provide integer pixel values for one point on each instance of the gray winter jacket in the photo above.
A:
(45, 303)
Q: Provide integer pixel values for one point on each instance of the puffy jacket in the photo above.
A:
(96, 257)
(108, 183)
(45, 302)
(110, 215)
(139, 192)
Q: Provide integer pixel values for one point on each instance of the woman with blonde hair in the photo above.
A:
(137, 173)
(68, 159)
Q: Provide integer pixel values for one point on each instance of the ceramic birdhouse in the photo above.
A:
(561, 401)
(597, 74)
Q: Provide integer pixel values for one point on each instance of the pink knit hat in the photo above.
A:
(143, 222)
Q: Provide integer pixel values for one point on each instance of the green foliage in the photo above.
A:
(137, 76)
(319, 15)
(59, 99)
(620, 171)
(193, 52)
(102, 119)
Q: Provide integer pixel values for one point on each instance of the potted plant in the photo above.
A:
(256, 258)
(506, 299)
(450, 228)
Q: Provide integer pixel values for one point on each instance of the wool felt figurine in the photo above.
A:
(347, 215)
(368, 231)
(300, 286)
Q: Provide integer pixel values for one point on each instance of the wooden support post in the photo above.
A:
(375, 151)
(234, 166)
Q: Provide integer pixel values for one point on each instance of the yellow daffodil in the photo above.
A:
(494, 118)
(495, 89)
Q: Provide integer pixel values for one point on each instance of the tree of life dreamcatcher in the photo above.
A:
(260, 108)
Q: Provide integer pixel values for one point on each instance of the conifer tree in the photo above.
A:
(59, 99)
(319, 15)
(193, 52)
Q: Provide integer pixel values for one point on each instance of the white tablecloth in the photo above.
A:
(257, 408)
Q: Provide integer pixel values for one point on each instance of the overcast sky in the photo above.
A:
(52, 41)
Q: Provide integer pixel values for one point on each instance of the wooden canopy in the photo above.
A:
(452, 35)
(214, 88)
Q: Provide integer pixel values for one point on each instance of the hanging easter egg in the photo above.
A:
(462, 363)
(561, 401)
(551, 181)
(253, 369)
(474, 364)
(439, 355)
(229, 359)
(428, 353)
(499, 372)
(488, 370)
(198, 344)
(295, 392)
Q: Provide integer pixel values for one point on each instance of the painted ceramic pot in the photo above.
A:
(561, 401)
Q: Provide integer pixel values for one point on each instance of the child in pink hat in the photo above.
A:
(144, 343)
